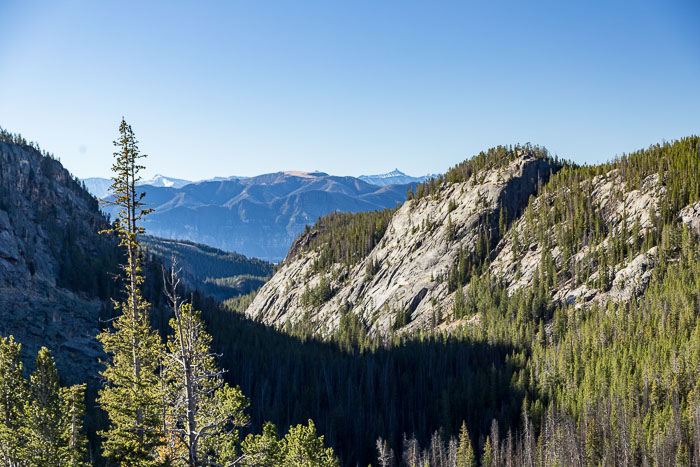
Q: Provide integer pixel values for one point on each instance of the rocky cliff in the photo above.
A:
(586, 235)
(54, 267)
(404, 276)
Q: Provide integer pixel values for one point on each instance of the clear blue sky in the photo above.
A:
(347, 87)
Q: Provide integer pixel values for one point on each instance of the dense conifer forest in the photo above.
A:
(530, 380)
(544, 382)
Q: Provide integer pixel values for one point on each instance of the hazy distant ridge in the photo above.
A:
(395, 177)
(259, 216)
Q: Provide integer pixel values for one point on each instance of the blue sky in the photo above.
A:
(224, 88)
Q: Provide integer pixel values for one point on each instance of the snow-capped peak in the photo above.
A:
(395, 177)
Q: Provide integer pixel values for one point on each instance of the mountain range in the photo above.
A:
(99, 187)
(545, 312)
(258, 216)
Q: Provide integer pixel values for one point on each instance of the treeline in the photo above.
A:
(528, 381)
(358, 389)
(164, 400)
(479, 165)
(205, 261)
(343, 238)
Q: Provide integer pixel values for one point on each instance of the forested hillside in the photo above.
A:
(592, 287)
(559, 322)
(391, 268)
(216, 273)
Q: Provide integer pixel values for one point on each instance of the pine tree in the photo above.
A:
(502, 222)
(73, 409)
(131, 397)
(264, 450)
(46, 444)
(303, 448)
(465, 453)
(13, 399)
(487, 459)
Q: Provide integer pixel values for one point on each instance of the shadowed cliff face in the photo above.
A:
(259, 216)
(417, 249)
(54, 267)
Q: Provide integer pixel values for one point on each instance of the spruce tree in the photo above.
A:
(46, 445)
(13, 399)
(487, 457)
(465, 452)
(131, 397)
(73, 409)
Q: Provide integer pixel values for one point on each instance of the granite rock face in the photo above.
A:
(690, 215)
(615, 202)
(413, 260)
(410, 257)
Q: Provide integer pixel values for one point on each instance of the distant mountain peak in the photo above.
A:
(395, 177)
(168, 182)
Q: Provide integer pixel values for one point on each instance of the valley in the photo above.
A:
(471, 302)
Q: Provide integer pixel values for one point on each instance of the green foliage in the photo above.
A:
(351, 334)
(203, 413)
(487, 458)
(465, 452)
(317, 295)
(344, 238)
(132, 397)
(73, 408)
(217, 273)
(45, 414)
(240, 303)
(13, 398)
(263, 450)
(302, 447)
(38, 425)
(494, 159)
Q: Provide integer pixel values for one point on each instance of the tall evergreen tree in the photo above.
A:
(73, 409)
(13, 398)
(131, 397)
(46, 445)
(465, 452)
(487, 458)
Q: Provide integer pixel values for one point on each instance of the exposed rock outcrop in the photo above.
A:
(616, 205)
(412, 259)
(587, 236)
(690, 216)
